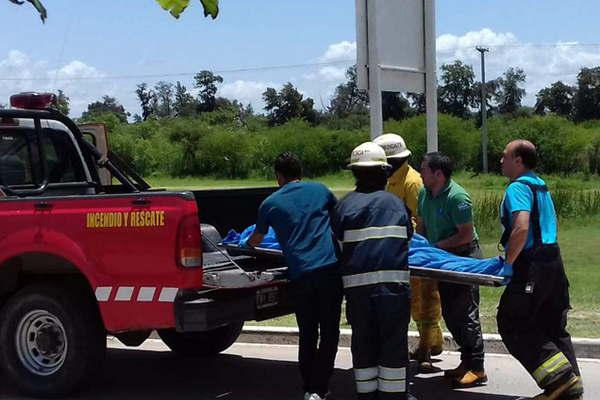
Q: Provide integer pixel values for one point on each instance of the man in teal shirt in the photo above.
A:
(532, 316)
(300, 214)
(445, 218)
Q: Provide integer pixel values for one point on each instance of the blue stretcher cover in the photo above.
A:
(421, 254)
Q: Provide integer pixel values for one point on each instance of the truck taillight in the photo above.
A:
(33, 100)
(189, 243)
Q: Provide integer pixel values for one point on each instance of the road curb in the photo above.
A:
(584, 348)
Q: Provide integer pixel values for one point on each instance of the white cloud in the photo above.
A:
(246, 91)
(19, 72)
(333, 73)
(542, 64)
(341, 51)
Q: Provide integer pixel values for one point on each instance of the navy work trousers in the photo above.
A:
(379, 316)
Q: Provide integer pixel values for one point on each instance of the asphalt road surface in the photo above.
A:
(265, 372)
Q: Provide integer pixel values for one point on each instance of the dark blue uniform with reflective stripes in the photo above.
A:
(374, 230)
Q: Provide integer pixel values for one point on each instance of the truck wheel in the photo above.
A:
(52, 340)
(201, 344)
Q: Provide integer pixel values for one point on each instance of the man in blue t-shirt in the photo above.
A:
(300, 214)
(532, 315)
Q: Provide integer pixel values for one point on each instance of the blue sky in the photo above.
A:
(85, 44)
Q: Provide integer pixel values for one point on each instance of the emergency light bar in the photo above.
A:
(33, 100)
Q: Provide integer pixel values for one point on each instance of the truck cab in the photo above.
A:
(87, 248)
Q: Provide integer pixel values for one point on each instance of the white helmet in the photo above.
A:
(368, 154)
(393, 145)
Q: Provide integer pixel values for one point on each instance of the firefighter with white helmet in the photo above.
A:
(374, 229)
(405, 182)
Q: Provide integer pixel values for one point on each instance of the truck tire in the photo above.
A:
(201, 344)
(52, 341)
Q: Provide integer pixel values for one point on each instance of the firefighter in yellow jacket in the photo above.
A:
(405, 182)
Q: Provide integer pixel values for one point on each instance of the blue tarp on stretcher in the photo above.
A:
(421, 254)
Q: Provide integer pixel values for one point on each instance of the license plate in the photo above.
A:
(267, 297)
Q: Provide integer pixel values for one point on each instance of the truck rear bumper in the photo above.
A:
(209, 309)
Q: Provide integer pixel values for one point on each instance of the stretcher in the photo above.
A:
(465, 278)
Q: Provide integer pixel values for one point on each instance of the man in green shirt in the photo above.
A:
(445, 218)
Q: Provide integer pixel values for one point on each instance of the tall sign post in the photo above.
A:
(396, 53)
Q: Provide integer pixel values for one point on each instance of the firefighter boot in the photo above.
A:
(423, 358)
(575, 392)
(556, 391)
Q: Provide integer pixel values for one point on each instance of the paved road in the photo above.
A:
(265, 372)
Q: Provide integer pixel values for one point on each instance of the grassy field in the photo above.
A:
(579, 237)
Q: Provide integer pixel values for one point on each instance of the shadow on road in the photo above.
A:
(148, 375)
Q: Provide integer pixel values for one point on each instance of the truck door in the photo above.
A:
(20, 216)
(128, 239)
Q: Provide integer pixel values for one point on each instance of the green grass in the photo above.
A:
(579, 235)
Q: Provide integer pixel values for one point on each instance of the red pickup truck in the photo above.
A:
(88, 248)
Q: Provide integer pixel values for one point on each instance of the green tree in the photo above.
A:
(491, 93)
(587, 98)
(288, 104)
(457, 91)
(108, 105)
(207, 82)
(394, 106)
(184, 104)
(147, 99)
(557, 99)
(510, 93)
(62, 102)
(164, 99)
(348, 99)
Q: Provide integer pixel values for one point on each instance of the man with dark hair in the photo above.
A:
(299, 213)
(532, 316)
(445, 218)
(374, 228)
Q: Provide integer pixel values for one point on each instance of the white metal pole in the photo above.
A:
(375, 103)
(431, 76)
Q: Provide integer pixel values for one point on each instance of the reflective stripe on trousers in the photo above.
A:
(384, 379)
(380, 232)
(376, 277)
(392, 380)
(366, 379)
(550, 367)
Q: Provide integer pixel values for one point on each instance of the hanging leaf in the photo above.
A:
(211, 7)
(38, 6)
(176, 7)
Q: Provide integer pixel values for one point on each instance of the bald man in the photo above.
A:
(532, 316)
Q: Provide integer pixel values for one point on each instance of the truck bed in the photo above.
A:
(227, 209)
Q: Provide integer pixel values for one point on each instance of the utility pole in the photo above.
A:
(484, 132)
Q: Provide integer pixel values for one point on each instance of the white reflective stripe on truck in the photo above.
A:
(145, 294)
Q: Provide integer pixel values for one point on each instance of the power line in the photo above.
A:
(185, 74)
(277, 67)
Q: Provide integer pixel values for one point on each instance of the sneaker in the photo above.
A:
(470, 379)
(457, 372)
(315, 396)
